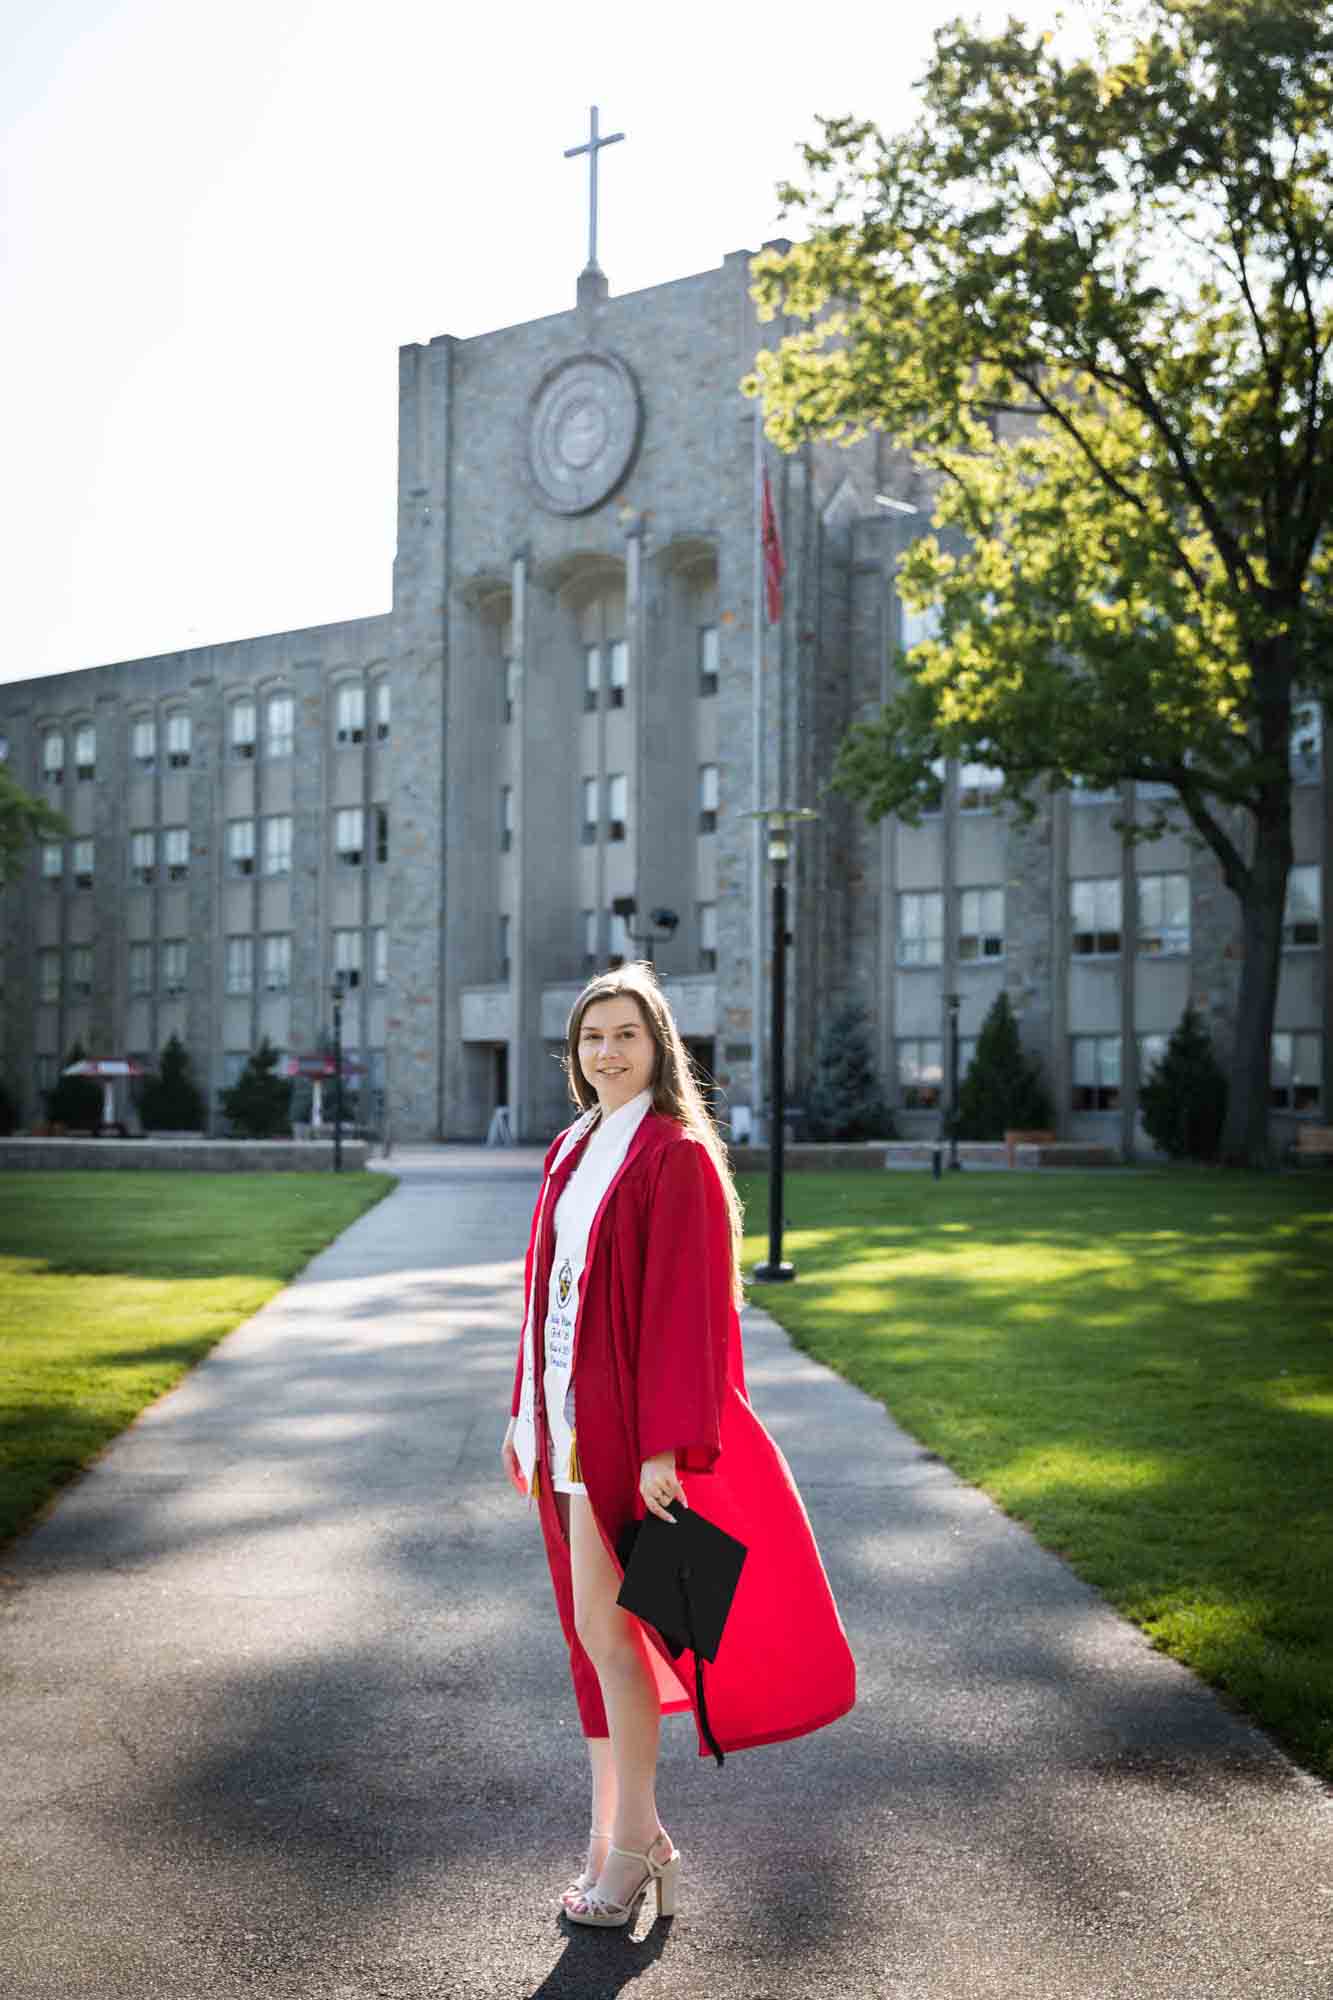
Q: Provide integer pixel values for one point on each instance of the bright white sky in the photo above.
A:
(222, 220)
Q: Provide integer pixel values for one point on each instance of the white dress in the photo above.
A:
(602, 1157)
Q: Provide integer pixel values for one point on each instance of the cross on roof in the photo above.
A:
(593, 146)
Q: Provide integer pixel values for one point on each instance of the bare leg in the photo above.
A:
(615, 1646)
(600, 1759)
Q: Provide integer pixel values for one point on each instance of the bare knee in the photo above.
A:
(606, 1637)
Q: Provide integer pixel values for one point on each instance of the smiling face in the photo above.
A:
(616, 1051)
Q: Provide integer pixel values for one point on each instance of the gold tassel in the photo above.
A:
(536, 1478)
(574, 1471)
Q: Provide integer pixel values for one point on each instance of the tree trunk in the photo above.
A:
(1245, 1134)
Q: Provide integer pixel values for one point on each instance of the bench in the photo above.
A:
(1013, 1140)
(1314, 1142)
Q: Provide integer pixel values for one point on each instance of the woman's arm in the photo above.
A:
(683, 1312)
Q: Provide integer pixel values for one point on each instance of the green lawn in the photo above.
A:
(112, 1285)
(1138, 1366)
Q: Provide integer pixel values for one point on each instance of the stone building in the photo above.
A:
(574, 701)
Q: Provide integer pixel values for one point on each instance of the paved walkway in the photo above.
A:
(284, 1709)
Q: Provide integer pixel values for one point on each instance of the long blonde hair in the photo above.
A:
(676, 1094)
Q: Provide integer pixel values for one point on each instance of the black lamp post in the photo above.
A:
(951, 1001)
(778, 819)
(665, 923)
(336, 993)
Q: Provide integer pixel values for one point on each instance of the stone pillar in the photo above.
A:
(419, 652)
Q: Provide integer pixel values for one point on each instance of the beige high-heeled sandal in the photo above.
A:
(601, 1911)
(586, 1879)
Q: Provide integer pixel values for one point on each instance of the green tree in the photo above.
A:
(1002, 1091)
(259, 1102)
(23, 819)
(1090, 292)
(845, 1100)
(1184, 1099)
(74, 1101)
(169, 1099)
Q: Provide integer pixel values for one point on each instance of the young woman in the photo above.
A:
(629, 1394)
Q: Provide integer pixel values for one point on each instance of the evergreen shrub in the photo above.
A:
(259, 1102)
(169, 1099)
(845, 1100)
(1003, 1089)
(1183, 1101)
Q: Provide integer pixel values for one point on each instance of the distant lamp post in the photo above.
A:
(336, 994)
(664, 922)
(951, 1001)
(778, 820)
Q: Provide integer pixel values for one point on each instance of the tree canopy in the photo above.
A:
(23, 819)
(1089, 291)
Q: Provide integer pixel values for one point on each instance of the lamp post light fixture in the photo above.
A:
(664, 922)
(778, 820)
(336, 995)
(952, 1001)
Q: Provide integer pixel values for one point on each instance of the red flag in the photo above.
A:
(774, 566)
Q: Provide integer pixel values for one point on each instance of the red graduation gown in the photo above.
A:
(657, 1367)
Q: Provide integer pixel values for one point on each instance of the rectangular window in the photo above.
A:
(280, 717)
(240, 847)
(85, 752)
(617, 805)
(617, 939)
(1307, 742)
(53, 860)
(176, 852)
(1296, 1062)
(243, 732)
(920, 927)
(505, 931)
(143, 744)
(240, 965)
(920, 1074)
(141, 971)
(1301, 915)
(143, 857)
(708, 937)
(509, 671)
(48, 976)
(980, 924)
(277, 962)
(708, 796)
(347, 957)
(1164, 916)
(1094, 916)
(382, 707)
(349, 836)
(978, 787)
(506, 818)
(379, 955)
(618, 678)
(589, 920)
(592, 676)
(708, 658)
(1154, 788)
(278, 844)
(178, 742)
(53, 758)
(81, 971)
(381, 818)
(1095, 1070)
(174, 960)
(351, 713)
(590, 811)
(83, 864)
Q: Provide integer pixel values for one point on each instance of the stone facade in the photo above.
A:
(566, 706)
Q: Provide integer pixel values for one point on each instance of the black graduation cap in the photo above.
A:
(682, 1580)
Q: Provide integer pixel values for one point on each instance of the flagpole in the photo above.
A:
(757, 1066)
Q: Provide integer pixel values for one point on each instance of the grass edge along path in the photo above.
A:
(1137, 1367)
(114, 1285)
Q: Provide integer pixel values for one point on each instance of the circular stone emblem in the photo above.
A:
(586, 416)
